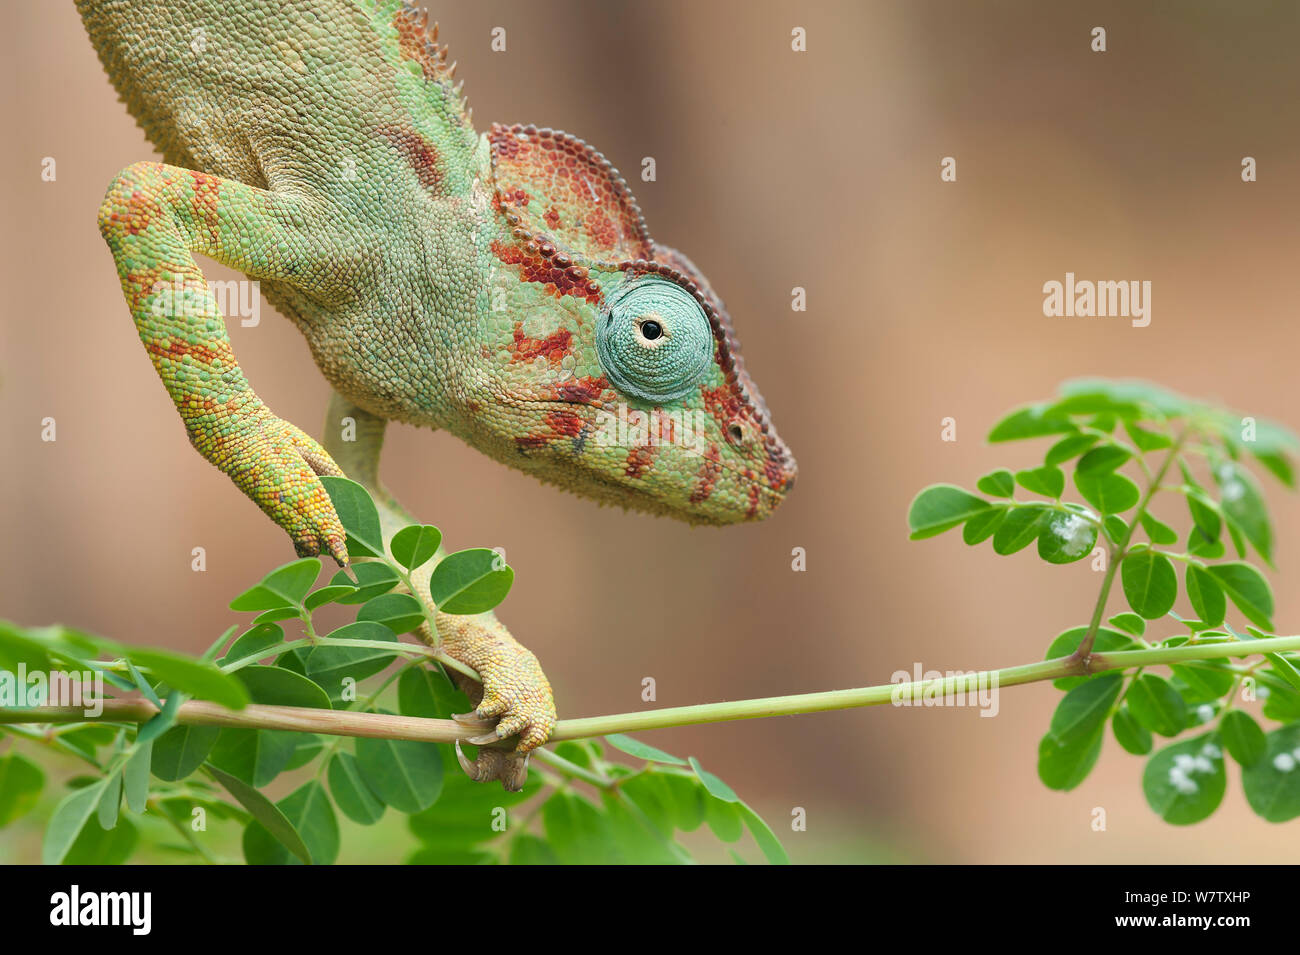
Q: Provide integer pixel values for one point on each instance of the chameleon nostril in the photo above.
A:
(734, 433)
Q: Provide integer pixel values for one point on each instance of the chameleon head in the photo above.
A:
(611, 363)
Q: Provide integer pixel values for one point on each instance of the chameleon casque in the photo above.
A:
(502, 287)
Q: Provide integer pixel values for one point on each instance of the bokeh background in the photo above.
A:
(775, 169)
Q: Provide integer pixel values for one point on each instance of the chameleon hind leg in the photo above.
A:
(515, 692)
(154, 218)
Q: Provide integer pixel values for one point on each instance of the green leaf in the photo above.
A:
(1205, 594)
(1127, 397)
(330, 593)
(1102, 460)
(724, 819)
(330, 667)
(257, 639)
(353, 796)
(470, 581)
(1157, 705)
(1130, 623)
(268, 815)
(1147, 440)
(69, 818)
(253, 756)
(1069, 750)
(1184, 783)
(530, 850)
(426, 692)
(941, 507)
(181, 750)
(577, 832)
(1158, 531)
(97, 846)
(1198, 545)
(277, 686)
(716, 787)
(1278, 464)
(1247, 588)
(415, 545)
(999, 483)
(1020, 529)
(135, 777)
(634, 747)
(1201, 682)
(1150, 582)
(1132, 735)
(1284, 668)
(200, 680)
(372, 579)
(1068, 447)
(358, 515)
(983, 525)
(21, 781)
(1029, 422)
(1066, 538)
(1205, 516)
(308, 748)
(1243, 507)
(308, 814)
(1116, 527)
(1272, 784)
(1108, 492)
(283, 587)
(403, 774)
(764, 836)
(110, 802)
(1048, 480)
(143, 685)
(1242, 737)
(164, 720)
(400, 613)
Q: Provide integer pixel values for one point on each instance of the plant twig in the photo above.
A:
(390, 726)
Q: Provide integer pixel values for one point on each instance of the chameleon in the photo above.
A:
(501, 286)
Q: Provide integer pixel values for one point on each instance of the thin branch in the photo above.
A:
(389, 726)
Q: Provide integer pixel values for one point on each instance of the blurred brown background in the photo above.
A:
(775, 169)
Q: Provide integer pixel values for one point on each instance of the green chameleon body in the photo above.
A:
(502, 287)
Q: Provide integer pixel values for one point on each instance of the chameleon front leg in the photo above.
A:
(514, 692)
(154, 218)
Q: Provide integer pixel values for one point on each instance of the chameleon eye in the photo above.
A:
(654, 340)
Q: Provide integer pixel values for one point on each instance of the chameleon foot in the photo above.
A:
(277, 465)
(509, 767)
(515, 693)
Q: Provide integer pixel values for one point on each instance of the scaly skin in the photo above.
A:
(502, 287)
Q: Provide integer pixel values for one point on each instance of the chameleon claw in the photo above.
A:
(472, 721)
(511, 768)
(485, 739)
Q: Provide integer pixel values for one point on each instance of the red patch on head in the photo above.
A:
(707, 478)
(639, 460)
(554, 271)
(418, 153)
(588, 206)
(582, 390)
(552, 348)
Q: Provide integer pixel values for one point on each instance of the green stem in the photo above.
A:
(391, 726)
(1117, 553)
